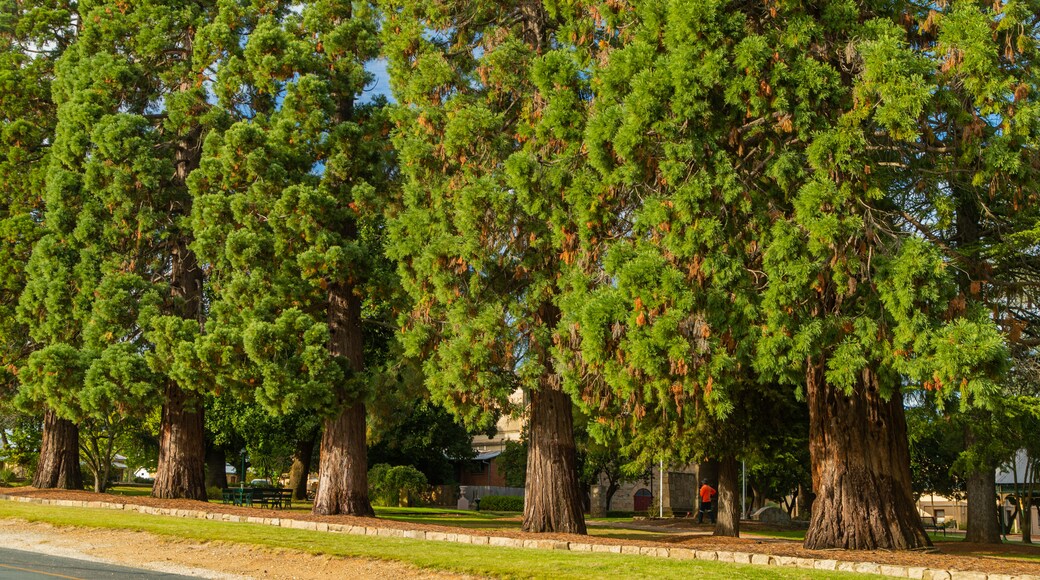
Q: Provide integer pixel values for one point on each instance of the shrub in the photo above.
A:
(6, 477)
(501, 503)
(214, 493)
(394, 486)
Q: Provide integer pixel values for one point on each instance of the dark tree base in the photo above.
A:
(182, 453)
(983, 526)
(301, 466)
(728, 521)
(216, 474)
(343, 475)
(58, 467)
(552, 497)
(861, 469)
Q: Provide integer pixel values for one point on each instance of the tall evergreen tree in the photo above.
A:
(968, 184)
(115, 293)
(754, 169)
(33, 35)
(665, 313)
(857, 307)
(289, 201)
(489, 137)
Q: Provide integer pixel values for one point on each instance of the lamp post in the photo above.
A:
(242, 475)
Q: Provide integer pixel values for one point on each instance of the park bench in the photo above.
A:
(931, 523)
(242, 496)
(273, 498)
(259, 496)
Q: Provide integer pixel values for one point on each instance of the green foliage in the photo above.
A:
(402, 485)
(288, 199)
(25, 437)
(488, 136)
(501, 503)
(512, 463)
(421, 434)
(935, 446)
(33, 36)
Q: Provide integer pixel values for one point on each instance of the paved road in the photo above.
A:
(21, 565)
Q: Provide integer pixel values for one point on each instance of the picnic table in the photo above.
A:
(263, 497)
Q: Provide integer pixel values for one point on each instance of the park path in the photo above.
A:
(32, 565)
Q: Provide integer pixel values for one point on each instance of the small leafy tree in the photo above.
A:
(512, 463)
(402, 485)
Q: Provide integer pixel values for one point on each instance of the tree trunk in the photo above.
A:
(1027, 521)
(727, 521)
(983, 520)
(216, 472)
(342, 477)
(301, 465)
(343, 470)
(612, 488)
(758, 500)
(552, 496)
(981, 486)
(860, 468)
(181, 472)
(58, 467)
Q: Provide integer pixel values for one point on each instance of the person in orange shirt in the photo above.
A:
(707, 492)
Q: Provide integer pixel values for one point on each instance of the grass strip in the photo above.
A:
(448, 556)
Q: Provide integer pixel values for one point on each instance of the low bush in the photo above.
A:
(402, 485)
(214, 493)
(501, 503)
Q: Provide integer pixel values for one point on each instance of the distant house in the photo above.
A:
(483, 468)
(1014, 478)
(679, 486)
(119, 468)
(952, 511)
(231, 473)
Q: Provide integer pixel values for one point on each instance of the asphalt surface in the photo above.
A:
(22, 565)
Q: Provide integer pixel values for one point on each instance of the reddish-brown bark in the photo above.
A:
(182, 467)
(728, 520)
(58, 467)
(861, 468)
(552, 496)
(343, 463)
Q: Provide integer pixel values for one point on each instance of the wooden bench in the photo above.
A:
(273, 498)
(242, 496)
(930, 523)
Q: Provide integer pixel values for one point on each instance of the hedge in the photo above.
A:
(501, 503)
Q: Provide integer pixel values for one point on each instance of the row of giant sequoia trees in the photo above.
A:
(669, 214)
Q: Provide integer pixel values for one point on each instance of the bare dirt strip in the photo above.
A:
(1007, 559)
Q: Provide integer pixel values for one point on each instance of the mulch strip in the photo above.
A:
(992, 559)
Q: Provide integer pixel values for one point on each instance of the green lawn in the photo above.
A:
(461, 558)
(130, 490)
(777, 534)
(449, 517)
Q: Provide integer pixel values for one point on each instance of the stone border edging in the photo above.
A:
(504, 542)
